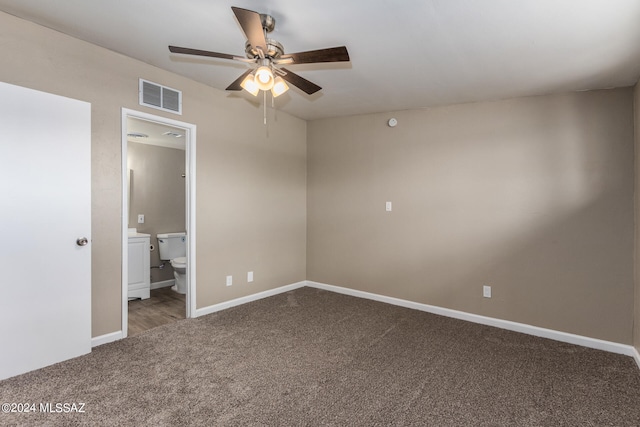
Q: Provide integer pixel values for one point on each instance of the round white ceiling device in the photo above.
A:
(392, 122)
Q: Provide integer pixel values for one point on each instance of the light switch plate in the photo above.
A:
(486, 291)
(388, 206)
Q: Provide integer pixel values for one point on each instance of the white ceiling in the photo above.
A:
(158, 134)
(404, 54)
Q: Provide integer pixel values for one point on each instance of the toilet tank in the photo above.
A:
(172, 245)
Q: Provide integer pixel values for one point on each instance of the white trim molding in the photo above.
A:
(249, 298)
(106, 338)
(190, 187)
(163, 284)
(595, 343)
(636, 356)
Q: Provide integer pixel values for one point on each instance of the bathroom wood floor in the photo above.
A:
(164, 306)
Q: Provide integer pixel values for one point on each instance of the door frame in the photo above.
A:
(190, 172)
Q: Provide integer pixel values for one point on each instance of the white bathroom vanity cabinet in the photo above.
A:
(139, 267)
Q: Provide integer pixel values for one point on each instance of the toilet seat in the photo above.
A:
(180, 262)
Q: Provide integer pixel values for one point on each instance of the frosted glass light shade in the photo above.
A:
(264, 78)
(250, 85)
(279, 87)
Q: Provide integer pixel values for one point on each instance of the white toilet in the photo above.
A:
(173, 248)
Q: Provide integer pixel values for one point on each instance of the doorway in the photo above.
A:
(158, 164)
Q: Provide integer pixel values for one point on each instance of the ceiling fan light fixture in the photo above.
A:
(279, 87)
(249, 84)
(264, 78)
(268, 54)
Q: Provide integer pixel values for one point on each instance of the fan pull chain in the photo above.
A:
(265, 106)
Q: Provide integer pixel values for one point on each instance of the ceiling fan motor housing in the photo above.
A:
(268, 22)
(274, 49)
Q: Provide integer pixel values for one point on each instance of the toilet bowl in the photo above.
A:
(180, 274)
(173, 248)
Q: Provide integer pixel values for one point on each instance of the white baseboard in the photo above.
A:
(163, 284)
(636, 356)
(595, 343)
(106, 338)
(249, 298)
(114, 336)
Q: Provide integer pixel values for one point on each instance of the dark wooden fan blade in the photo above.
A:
(188, 51)
(300, 82)
(332, 54)
(252, 27)
(236, 83)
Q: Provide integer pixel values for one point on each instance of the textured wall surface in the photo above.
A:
(532, 196)
(251, 178)
(158, 192)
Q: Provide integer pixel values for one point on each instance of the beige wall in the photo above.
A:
(636, 119)
(157, 192)
(533, 196)
(250, 182)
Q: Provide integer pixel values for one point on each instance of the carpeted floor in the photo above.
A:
(311, 357)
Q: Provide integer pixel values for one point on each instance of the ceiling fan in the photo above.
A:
(269, 57)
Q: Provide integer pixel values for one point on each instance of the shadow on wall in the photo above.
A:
(533, 197)
(157, 192)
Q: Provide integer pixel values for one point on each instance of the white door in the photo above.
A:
(45, 213)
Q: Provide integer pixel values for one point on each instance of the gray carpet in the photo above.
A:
(311, 357)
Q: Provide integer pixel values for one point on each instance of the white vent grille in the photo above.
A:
(160, 97)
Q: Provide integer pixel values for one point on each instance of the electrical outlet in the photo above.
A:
(486, 291)
(140, 219)
(229, 280)
(250, 277)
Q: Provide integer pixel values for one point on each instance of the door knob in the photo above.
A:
(82, 241)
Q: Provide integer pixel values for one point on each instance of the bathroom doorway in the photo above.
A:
(158, 198)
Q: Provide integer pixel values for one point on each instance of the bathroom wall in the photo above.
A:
(158, 192)
(532, 196)
(250, 178)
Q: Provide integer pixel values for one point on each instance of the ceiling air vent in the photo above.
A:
(160, 97)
